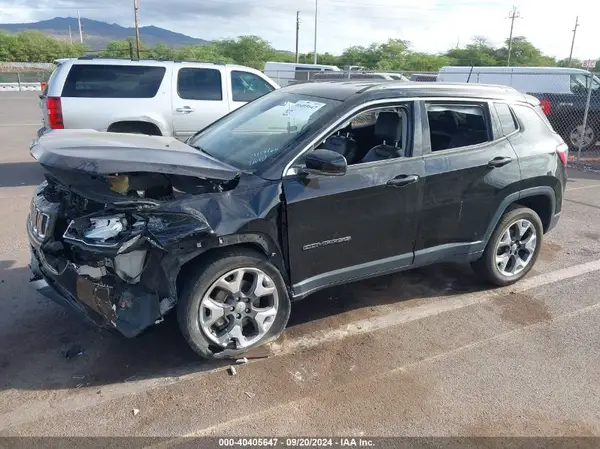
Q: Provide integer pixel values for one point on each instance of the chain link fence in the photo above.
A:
(570, 98)
(20, 76)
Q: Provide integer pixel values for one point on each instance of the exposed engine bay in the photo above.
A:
(120, 238)
(118, 219)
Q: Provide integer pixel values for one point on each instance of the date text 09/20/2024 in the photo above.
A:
(295, 442)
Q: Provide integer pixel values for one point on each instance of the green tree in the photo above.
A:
(121, 49)
(391, 55)
(478, 53)
(208, 52)
(252, 51)
(425, 62)
(33, 46)
(524, 53)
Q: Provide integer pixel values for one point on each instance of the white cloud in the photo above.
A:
(431, 25)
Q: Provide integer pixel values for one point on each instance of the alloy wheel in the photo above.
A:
(239, 308)
(578, 136)
(516, 247)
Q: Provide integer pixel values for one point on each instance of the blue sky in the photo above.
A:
(430, 25)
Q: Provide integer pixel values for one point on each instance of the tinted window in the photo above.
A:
(199, 84)
(247, 86)
(113, 81)
(455, 126)
(507, 120)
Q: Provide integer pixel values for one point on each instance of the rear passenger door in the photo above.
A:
(199, 98)
(470, 167)
(245, 86)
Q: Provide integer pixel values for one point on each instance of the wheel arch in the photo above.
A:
(147, 127)
(258, 243)
(541, 199)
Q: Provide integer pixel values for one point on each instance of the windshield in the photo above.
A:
(260, 130)
(580, 83)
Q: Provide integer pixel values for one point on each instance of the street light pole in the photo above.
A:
(316, 14)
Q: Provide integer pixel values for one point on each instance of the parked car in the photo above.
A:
(307, 187)
(287, 73)
(424, 77)
(562, 91)
(160, 98)
(357, 75)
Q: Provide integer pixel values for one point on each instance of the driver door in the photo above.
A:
(343, 228)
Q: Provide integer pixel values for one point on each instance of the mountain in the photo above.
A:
(97, 34)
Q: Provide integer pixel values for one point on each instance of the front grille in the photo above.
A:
(38, 221)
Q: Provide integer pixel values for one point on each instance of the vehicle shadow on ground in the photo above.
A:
(18, 174)
(41, 341)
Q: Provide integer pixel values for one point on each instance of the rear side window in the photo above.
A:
(199, 84)
(507, 120)
(113, 81)
(247, 86)
(457, 125)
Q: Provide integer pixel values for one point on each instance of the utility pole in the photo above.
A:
(70, 35)
(80, 30)
(514, 14)
(137, 28)
(573, 41)
(297, 35)
(316, 14)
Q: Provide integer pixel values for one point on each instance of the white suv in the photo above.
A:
(164, 98)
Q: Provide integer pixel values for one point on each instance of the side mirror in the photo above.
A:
(325, 162)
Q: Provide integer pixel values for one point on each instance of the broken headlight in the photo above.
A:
(105, 232)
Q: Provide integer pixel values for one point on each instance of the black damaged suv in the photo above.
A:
(307, 187)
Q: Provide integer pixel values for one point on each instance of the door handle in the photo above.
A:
(403, 180)
(185, 110)
(499, 161)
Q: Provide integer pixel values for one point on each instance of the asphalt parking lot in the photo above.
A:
(431, 352)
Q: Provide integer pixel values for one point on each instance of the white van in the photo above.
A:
(285, 73)
(548, 80)
(562, 91)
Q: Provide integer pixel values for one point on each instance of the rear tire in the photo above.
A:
(233, 301)
(508, 256)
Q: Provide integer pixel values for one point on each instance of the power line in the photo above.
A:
(514, 14)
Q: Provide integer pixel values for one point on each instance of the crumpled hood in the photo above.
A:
(102, 153)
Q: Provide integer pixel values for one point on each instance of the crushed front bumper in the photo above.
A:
(105, 302)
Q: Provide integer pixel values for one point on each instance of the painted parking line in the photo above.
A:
(80, 401)
(298, 403)
(582, 188)
(427, 310)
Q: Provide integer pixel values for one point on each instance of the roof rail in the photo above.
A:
(90, 57)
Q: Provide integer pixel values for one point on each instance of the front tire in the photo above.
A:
(235, 300)
(513, 248)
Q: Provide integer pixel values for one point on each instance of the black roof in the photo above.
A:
(381, 89)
